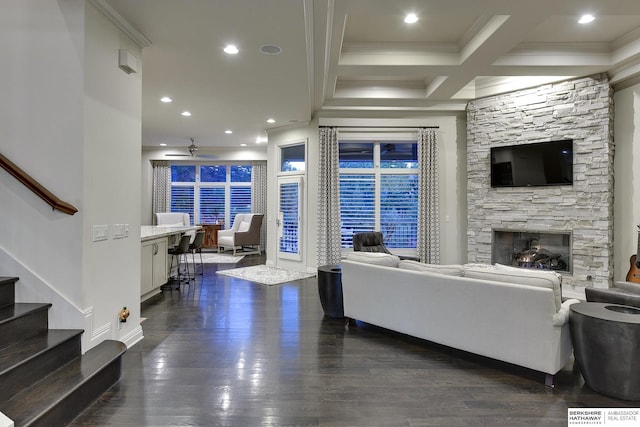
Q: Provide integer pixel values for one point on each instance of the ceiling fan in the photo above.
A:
(193, 152)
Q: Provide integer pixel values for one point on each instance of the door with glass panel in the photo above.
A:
(289, 217)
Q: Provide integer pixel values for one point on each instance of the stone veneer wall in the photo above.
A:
(580, 109)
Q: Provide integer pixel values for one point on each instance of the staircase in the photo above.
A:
(45, 380)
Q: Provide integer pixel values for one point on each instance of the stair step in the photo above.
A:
(22, 320)
(58, 398)
(7, 290)
(29, 360)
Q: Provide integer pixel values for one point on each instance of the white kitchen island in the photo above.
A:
(154, 268)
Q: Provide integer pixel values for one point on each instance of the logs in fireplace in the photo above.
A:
(537, 257)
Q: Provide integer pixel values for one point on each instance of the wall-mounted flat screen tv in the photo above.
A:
(528, 165)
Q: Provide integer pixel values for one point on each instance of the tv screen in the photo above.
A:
(528, 165)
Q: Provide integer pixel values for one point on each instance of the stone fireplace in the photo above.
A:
(581, 110)
(532, 249)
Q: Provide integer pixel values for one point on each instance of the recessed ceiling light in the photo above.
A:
(271, 120)
(270, 49)
(163, 145)
(585, 19)
(411, 18)
(243, 145)
(228, 131)
(231, 49)
(260, 140)
(186, 113)
(166, 99)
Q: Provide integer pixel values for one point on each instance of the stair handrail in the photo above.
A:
(36, 187)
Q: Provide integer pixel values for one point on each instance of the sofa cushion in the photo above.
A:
(519, 276)
(377, 258)
(554, 277)
(449, 270)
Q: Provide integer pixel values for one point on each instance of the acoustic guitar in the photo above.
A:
(634, 268)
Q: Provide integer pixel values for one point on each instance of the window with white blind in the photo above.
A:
(289, 217)
(211, 193)
(379, 190)
(357, 205)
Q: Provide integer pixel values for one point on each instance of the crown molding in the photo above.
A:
(121, 23)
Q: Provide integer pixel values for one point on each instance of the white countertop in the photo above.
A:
(148, 232)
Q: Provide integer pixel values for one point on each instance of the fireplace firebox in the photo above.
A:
(545, 250)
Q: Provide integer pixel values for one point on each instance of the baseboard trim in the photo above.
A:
(133, 337)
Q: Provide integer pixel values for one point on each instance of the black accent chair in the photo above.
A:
(369, 241)
(623, 293)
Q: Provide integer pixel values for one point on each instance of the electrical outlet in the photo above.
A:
(100, 232)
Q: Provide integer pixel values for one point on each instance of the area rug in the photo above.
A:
(265, 275)
(217, 258)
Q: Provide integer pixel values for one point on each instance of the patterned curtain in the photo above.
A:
(328, 199)
(161, 197)
(259, 196)
(428, 197)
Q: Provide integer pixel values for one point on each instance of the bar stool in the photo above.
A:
(196, 246)
(179, 252)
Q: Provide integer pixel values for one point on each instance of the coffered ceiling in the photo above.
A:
(357, 58)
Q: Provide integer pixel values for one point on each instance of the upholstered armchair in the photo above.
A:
(369, 241)
(625, 293)
(373, 241)
(244, 234)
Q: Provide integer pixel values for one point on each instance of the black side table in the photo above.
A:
(605, 341)
(330, 290)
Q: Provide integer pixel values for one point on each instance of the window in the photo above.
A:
(357, 205)
(379, 190)
(292, 158)
(289, 202)
(211, 193)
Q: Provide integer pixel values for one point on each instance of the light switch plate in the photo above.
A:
(120, 231)
(100, 232)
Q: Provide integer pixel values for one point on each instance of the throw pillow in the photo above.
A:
(377, 258)
(244, 226)
(449, 270)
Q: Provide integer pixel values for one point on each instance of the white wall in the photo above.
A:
(627, 182)
(70, 118)
(40, 130)
(452, 144)
(111, 176)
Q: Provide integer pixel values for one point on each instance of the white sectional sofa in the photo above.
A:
(501, 312)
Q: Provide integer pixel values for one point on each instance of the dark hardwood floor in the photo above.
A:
(227, 352)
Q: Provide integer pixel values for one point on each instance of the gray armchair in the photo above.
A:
(624, 293)
(244, 235)
(369, 241)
